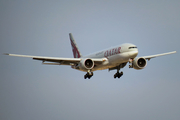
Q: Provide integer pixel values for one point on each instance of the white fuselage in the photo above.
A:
(115, 56)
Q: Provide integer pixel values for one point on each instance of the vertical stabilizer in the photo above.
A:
(75, 49)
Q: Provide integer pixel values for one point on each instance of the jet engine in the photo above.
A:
(86, 64)
(139, 63)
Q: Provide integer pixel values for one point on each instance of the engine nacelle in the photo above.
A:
(86, 64)
(139, 63)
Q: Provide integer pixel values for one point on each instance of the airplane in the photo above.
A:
(113, 58)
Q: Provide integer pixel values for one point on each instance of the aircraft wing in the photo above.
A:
(56, 60)
(157, 55)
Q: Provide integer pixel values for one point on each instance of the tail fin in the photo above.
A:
(75, 49)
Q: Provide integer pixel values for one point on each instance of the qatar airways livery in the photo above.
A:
(113, 58)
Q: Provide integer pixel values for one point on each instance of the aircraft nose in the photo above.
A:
(133, 54)
(136, 53)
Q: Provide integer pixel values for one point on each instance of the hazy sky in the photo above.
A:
(32, 91)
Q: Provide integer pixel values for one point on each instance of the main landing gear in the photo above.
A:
(118, 74)
(88, 75)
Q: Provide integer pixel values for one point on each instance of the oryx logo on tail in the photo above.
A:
(75, 49)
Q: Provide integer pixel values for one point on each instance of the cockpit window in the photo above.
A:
(132, 47)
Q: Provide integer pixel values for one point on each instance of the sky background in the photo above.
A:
(32, 91)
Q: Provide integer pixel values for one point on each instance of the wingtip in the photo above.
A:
(174, 52)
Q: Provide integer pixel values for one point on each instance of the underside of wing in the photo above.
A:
(55, 60)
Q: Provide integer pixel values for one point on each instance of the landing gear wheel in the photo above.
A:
(118, 74)
(85, 76)
(88, 75)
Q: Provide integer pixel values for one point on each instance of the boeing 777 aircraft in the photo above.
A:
(113, 58)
